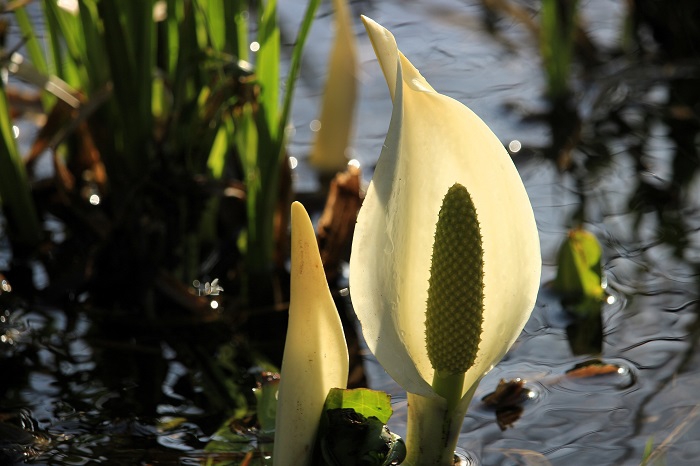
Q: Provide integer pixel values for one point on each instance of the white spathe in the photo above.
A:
(433, 142)
(315, 353)
(328, 152)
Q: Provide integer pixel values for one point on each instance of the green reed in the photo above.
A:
(184, 106)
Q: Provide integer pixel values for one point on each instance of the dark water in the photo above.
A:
(631, 177)
(634, 184)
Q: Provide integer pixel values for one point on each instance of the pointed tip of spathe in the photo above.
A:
(297, 209)
(302, 228)
(372, 26)
(300, 219)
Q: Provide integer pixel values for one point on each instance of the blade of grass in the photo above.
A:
(141, 21)
(294, 73)
(267, 66)
(215, 17)
(36, 54)
(237, 37)
(68, 32)
(168, 36)
(22, 219)
(54, 49)
(128, 35)
(262, 178)
(93, 49)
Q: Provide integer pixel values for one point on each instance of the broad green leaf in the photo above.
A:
(353, 430)
(363, 400)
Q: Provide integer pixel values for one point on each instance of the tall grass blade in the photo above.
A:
(66, 36)
(23, 222)
(262, 176)
(267, 66)
(34, 50)
(215, 17)
(294, 67)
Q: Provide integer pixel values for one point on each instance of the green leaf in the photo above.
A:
(362, 400)
(579, 274)
(266, 407)
(215, 13)
(15, 192)
(294, 67)
(267, 71)
(34, 49)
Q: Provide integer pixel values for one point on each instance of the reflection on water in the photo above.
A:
(622, 160)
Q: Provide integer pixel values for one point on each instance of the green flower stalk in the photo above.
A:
(441, 293)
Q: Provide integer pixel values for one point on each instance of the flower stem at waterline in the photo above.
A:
(433, 429)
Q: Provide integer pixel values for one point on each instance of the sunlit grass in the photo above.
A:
(170, 99)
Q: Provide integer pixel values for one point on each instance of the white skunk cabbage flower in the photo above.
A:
(338, 107)
(315, 353)
(435, 143)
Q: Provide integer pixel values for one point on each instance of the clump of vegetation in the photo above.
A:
(167, 138)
